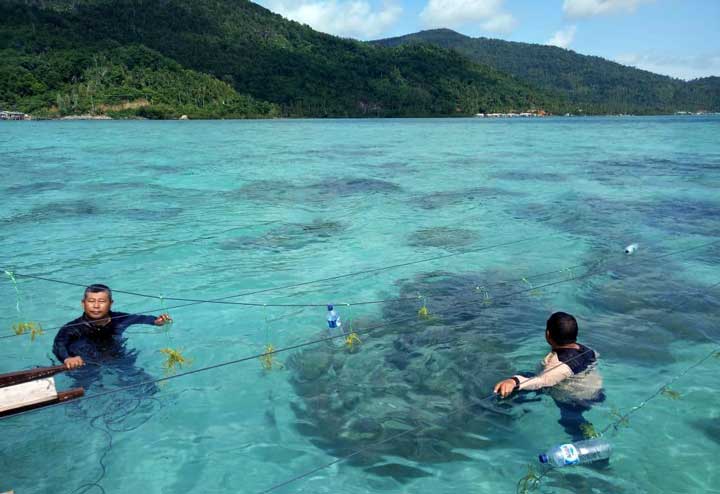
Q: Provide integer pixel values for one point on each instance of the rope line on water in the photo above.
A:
(419, 428)
(316, 304)
(304, 344)
(223, 300)
(294, 285)
(623, 418)
(285, 349)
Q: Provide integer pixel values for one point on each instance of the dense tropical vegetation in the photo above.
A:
(235, 59)
(592, 84)
(228, 58)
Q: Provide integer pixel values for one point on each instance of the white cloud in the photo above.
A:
(456, 13)
(563, 37)
(687, 67)
(589, 8)
(352, 18)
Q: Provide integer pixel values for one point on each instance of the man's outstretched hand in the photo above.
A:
(505, 388)
(163, 319)
(73, 362)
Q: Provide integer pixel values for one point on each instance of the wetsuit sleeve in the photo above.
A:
(122, 320)
(553, 372)
(63, 339)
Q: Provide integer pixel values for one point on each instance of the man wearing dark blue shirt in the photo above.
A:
(98, 332)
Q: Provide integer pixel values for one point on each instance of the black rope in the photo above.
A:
(304, 344)
(623, 418)
(294, 285)
(417, 428)
(395, 436)
(255, 304)
(280, 350)
(223, 300)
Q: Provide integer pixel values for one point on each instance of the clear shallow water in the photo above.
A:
(208, 209)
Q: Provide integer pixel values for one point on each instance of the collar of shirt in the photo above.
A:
(90, 323)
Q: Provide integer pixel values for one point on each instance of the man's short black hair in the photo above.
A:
(563, 328)
(98, 288)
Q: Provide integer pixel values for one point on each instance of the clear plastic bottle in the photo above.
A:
(334, 324)
(577, 453)
(333, 318)
(631, 249)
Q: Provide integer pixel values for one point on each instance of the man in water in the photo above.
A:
(569, 371)
(98, 332)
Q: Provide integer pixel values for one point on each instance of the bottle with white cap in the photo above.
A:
(630, 249)
(577, 453)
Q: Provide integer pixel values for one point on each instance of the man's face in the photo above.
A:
(97, 305)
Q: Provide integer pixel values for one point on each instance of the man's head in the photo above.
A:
(97, 301)
(561, 329)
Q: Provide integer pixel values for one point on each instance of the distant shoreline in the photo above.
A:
(104, 118)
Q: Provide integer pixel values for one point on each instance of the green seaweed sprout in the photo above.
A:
(570, 273)
(423, 312)
(268, 360)
(174, 360)
(34, 328)
(589, 431)
(717, 354)
(485, 294)
(17, 289)
(529, 482)
(352, 342)
(23, 327)
(533, 291)
(620, 419)
(670, 393)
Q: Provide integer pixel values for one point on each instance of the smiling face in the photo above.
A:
(97, 305)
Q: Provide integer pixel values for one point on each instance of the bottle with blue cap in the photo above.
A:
(334, 324)
(577, 453)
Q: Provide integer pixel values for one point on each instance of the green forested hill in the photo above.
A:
(228, 58)
(592, 83)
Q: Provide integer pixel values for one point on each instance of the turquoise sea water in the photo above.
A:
(204, 210)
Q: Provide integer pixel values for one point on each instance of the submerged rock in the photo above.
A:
(294, 193)
(399, 472)
(290, 236)
(34, 188)
(417, 387)
(710, 427)
(153, 215)
(420, 389)
(473, 196)
(350, 186)
(445, 237)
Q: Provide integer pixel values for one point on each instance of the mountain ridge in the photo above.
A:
(237, 59)
(601, 85)
(260, 55)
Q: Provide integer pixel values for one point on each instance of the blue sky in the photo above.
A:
(680, 38)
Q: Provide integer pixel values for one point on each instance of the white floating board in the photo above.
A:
(26, 394)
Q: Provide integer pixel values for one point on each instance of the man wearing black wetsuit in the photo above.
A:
(98, 332)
